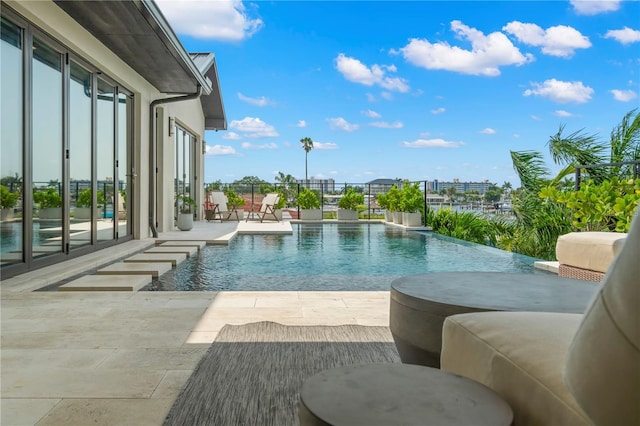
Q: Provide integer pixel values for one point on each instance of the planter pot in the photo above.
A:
(240, 213)
(310, 214)
(6, 214)
(278, 214)
(397, 218)
(50, 213)
(185, 221)
(411, 219)
(347, 214)
(388, 216)
(84, 213)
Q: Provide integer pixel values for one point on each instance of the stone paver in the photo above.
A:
(187, 250)
(173, 258)
(198, 244)
(107, 283)
(155, 269)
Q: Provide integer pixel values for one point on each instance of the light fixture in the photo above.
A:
(172, 126)
(204, 147)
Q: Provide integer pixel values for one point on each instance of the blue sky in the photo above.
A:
(417, 90)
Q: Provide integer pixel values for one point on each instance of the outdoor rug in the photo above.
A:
(252, 373)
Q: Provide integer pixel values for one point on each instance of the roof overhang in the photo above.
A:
(137, 31)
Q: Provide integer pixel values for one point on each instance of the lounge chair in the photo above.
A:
(216, 207)
(267, 207)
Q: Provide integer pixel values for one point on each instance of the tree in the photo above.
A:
(307, 145)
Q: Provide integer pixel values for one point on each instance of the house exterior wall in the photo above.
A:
(56, 23)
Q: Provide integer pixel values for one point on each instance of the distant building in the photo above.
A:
(322, 185)
(461, 187)
(378, 186)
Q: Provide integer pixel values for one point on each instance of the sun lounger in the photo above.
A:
(267, 208)
(216, 207)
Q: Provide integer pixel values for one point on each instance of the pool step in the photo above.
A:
(187, 250)
(198, 244)
(173, 258)
(107, 283)
(155, 269)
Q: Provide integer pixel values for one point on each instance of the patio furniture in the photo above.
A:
(558, 369)
(216, 208)
(392, 394)
(420, 303)
(267, 207)
(587, 255)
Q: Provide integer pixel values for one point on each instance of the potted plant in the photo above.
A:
(282, 202)
(8, 201)
(411, 204)
(394, 198)
(383, 202)
(186, 206)
(235, 203)
(350, 205)
(83, 204)
(309, 205)
(50, 203)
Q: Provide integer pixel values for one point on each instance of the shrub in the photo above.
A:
(8, 199)
(185, 203)
(84, 199)
(394, 198)
(351, 200)
(48, 198)
(308, 199)
(411, 198)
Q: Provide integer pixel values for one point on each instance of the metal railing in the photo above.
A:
(634, 166)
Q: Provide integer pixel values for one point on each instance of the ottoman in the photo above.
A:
(587, 255)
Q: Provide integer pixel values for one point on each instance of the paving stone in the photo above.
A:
(107, 283)
(173, 258)
(141, 268)
(188, 250)
(25, 411)
(198, 244)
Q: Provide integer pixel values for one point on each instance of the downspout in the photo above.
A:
(153, 141)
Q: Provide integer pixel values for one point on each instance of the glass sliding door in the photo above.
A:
(124, 172)
(11, 136)
(80, 154)
(184, 144)
(105, 148)
(47, 149)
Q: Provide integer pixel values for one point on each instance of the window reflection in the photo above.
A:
(105, 154)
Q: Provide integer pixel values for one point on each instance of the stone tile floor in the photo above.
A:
(121, 358)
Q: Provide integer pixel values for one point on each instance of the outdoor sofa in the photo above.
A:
(560, 369)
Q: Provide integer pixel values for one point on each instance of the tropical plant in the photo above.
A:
(307, 145)
(282, 200)
(411, 198)
(185, 203)
(352, 200)
(84, 198)
(8, 199)
(233, 199)
(49, 198)
(468, 226)
(394, 198)
(608, 206)
(308, 199)
(383, 200)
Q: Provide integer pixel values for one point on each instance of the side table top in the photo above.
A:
(386, 394)
(499, 291)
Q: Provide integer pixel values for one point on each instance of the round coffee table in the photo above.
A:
(398, 394)
(420, 303)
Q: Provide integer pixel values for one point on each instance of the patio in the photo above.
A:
(122, 358)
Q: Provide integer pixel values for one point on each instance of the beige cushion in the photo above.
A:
(603, 363)
(520, 355)
(588, 250)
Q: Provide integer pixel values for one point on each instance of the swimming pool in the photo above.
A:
(326, 257)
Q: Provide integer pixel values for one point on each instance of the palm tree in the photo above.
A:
(307, 144)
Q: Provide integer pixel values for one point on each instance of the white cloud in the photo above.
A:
(371, 98)
(432, 143)
(371, 114)
(301, 124)
(623, 95)
(250, 146)
(354, 70)
(252, 127)
(594, 7)
(624, 36)
(220, 150)
(217, 20)
(386, 95)
(488, 131)
(438, 110)
(560, 40)
(562, 92)
(342, 124)
(386, 125)
(536, 118)
(562, 113)
(324, 145)
(261, 101)
(487, 54)
(516, 136)
(233, 136)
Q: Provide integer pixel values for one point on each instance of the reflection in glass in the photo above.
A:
(11, 220)
(81, 199)
(184, 140)
(105, 154)
(47, 148)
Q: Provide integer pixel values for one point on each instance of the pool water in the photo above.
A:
(326, 257)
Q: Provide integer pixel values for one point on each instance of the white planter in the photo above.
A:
(397, 218)
(50, 213)
(240, 213)
(310, 214)
(6, 214)
(185, 221)
(347, 214)
(388, 216)
(278, 214)
(411, 219)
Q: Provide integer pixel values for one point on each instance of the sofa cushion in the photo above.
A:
(520, 355)
(603, 363)
(588, 250)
